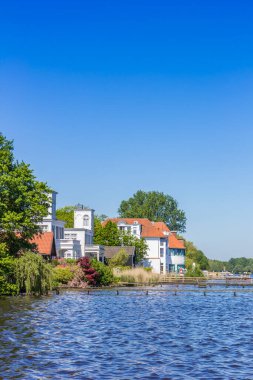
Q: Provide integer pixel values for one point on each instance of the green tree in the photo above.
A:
(197, 256)
(217, 265)
(24, 201)
(155, 206)
(120, 259)
(7, 276)
(111, 234)
(98, 237)
(33, 274)
(140, 245)
(67, 215)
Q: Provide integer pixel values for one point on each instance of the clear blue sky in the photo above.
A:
(103, 98)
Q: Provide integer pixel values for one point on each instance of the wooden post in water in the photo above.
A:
(234, 294)
(117, 292)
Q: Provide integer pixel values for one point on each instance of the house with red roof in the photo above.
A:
(160, 256)
(44, 244)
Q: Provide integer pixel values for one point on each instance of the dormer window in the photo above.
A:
(135, 222)
(86, 220)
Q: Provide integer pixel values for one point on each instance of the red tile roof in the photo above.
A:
(45, 243)
(149, 229)
(142, 221)
(175, 243)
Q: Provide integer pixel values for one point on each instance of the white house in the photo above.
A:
(73, 242)
(160, 256)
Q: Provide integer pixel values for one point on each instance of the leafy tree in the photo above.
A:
(217, 266)
(67, 215)
(7, 276)
(120, 259)
(140, 245)
(155, 206)
(192, 268)
(197, 256)
(24, 201)
(98, 237)
(111, 234)
(33, 274)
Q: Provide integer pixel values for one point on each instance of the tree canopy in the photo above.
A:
(24, 200)
(196, 256)
(67, 215)
(155, 206)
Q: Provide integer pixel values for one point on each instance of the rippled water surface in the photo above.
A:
(127, 336)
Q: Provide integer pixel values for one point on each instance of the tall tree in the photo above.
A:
(196, 255)
(67, 215)
(155, 206)
(24, 200)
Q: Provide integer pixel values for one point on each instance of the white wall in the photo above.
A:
(84, 219)
(76, 234)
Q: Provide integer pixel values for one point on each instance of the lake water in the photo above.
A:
(127, 336)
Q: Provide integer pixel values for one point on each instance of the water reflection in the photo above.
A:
(130, 336)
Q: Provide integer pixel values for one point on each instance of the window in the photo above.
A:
(161, 252)
(161, 268)
(134, 231)
(86, 220)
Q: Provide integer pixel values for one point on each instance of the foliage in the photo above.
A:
(155, 206)
(62, 275)
(140, 245)
(105, 273)
(33, 274)
(101, 217)
(217, 266)
(120, 259)
(98, 237)
(67, 215)
(7, 276)
(197, 256)
(192, 268)
(240, 265)
(24, 201)
(91, 275)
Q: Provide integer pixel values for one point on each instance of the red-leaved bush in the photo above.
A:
(90, 273)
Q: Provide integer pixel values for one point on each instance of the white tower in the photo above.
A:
(84, 218)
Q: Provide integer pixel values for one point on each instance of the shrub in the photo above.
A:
(62, 275)
(33, 274)
(105, 273)
(120, 259)
(91, 275)
(71, 261)
(7, 276)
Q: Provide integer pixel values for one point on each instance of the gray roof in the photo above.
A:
(112, 251)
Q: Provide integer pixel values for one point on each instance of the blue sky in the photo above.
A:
(103, 98)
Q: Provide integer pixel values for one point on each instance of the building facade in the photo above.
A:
(163, 254)
(76, 242)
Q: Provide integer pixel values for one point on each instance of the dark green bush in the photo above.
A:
(105, 273)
